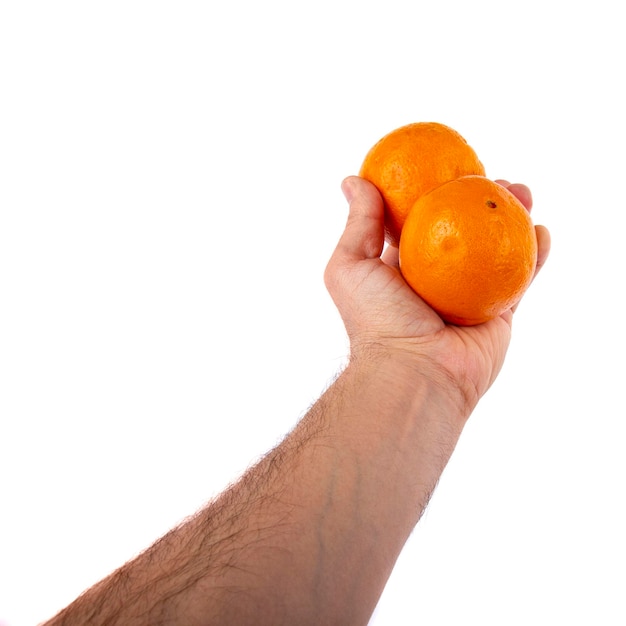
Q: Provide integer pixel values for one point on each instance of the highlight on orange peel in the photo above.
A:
(469, 249)
(413, 160)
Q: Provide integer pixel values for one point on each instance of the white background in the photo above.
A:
(169, 197)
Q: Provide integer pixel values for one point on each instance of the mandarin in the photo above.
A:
(469, 249)
(411, 161)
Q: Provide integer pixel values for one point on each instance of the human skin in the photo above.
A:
(311, 533)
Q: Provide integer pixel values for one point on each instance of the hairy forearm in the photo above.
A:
(311, 533)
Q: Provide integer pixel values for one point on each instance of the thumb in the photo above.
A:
(364, 234)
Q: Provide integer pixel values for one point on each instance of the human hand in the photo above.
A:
(384, 317)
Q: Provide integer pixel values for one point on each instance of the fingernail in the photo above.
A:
(347, 189)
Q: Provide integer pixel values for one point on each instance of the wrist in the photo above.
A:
(410, 372)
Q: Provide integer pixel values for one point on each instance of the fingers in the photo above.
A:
(543, 250)
(364, 235)
(543, 246)
(521, 192)
(524, 195)
(364, 239)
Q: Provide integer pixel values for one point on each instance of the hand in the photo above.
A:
(385, 317)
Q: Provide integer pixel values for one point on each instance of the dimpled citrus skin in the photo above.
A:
(469, 249)
(411, 161)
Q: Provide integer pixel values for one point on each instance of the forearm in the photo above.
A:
(311, 533)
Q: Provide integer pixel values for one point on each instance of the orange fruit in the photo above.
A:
(469, 249)
(411, 161)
